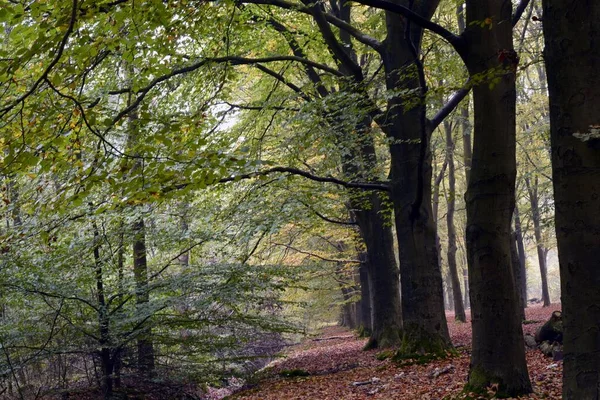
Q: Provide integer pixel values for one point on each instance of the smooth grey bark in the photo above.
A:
(145, 346)
(572, 56)
(498, 353)
(459, 309)
(534, 201)
(435, 204)
(467, 157)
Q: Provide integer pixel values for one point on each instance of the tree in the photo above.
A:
(459, 308)
(424, 326)
(487, 51)
(572, 57)
(542, 251)
(498, 354)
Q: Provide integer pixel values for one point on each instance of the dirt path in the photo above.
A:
(337, 369)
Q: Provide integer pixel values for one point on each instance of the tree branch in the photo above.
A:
(519, 11)
(297, 50)
(55, 60)
(346, 63)
(259, 108)
(287, 246)
(293, 171)
(460, 94)
(447, 108)
(332, 19)
(233, 60)
(324, 218)
(282, 79)
(457, 42)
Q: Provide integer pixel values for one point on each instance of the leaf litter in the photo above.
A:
(335, 367)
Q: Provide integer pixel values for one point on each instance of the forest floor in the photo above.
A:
(337, 368)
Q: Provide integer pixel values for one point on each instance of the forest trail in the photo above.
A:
(337, 368)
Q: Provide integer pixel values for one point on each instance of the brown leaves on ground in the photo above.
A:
(340, 369)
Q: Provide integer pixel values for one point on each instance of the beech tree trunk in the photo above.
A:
(467, 157)
(383, 275)
(516, 265)
(424, 320)
(498, 354)
(459, 309)
(572, 58)
(522, 255)
(365, 296)
(435, 205)
(466, 140)
(104, 353)
(358, 162)
(532, 189)
(140, 271)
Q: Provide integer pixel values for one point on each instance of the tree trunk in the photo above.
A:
(498, 354)
(358, 161)
(572, 58)
(184, 259)
(424, 320)
(522, 255)
(383, 274)
(448, 294)
(516, 266)
(365, 296)
(347, 290)
(464, 109)
(435, 204)
(459, 309)
(140, 271)
(532, 189)
(106, 361)
(466, 139)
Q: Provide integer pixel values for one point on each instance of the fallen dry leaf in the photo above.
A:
(338, 362)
